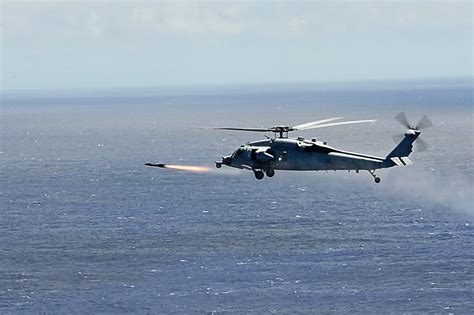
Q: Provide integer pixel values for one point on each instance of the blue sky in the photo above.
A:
(64, 45)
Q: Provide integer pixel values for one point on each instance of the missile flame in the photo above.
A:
(199, 169)
(189, 168)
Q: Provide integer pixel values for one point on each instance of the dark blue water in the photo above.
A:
(85, 227)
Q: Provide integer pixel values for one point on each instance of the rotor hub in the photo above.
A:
(282, 130)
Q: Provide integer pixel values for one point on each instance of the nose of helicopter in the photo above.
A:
(227, 160)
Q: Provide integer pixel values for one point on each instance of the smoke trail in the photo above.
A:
(454, 190)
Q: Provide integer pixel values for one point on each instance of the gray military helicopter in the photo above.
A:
(263, 157)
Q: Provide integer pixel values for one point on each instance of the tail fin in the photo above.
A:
(399, 155)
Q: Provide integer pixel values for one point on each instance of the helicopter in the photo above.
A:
(264, 157)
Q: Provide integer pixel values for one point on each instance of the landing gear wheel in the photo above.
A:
(376, 178)
(218, 165)
(259, 175)
(270, 172)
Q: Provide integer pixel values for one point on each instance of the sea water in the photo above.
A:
(86, 227)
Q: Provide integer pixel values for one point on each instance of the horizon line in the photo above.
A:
(207, 86)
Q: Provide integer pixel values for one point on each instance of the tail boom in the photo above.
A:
(399, 155)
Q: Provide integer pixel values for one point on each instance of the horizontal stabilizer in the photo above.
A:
(401, 161)
(397, 161)
(406, 160)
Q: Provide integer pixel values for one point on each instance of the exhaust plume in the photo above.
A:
(189, 168)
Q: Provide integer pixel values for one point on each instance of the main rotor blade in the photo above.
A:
(340, 123)
(402, 118)
(242, 129)
(424, 122)
(317, 122)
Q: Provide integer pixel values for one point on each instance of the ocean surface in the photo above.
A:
(87, 228)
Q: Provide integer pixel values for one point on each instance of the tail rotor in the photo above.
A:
(402, 119)
(423, 123)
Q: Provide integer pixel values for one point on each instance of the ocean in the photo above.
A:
(87, 228)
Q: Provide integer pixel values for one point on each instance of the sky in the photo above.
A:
(105, 44)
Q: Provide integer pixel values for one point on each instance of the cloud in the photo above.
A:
(426, 15)
(95, 24)
(242, 41)
(189, 18)
(223, 18)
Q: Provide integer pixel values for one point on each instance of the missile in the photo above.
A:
(156, 164)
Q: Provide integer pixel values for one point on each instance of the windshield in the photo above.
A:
(238, 153)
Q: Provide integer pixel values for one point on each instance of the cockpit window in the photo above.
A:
(238, 153)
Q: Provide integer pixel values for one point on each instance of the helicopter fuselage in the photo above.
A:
(299, 154)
